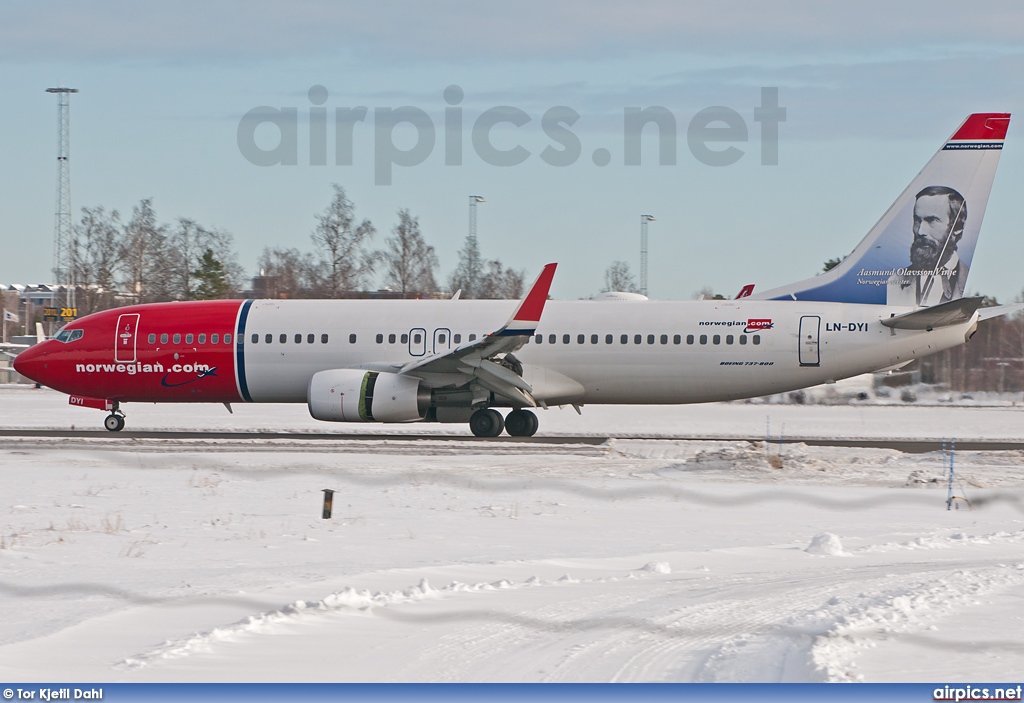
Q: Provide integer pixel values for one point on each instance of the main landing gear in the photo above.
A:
(115, 420)
(489, 423)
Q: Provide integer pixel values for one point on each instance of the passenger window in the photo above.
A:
(214, 338)
(163, 338)
(472, 337)
(417, 338)
(269, 338)
(689, 339)
(152, 338)
(323, 339)
(310, 338)
(565, 339)
(188, 339)
(729, 339)
(177, 339)
(255, 338)
(352, 339)
(608, 339)
(664, 339)
(638, 339)
(298, 338)
(539, 339)
(391, 339)
(202, 338)
(624, 339)
(581, 338)
(227, 339)
(757, 339)
(283, 338)
(441, 338)
(703, 339)
(457, 338)
(380, 338)
(405, 339)
(717, 339)
(650, 339)
(593, 339)
(743, 339)
(677, 339)
(552, 338)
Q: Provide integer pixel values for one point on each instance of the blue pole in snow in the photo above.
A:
(949, 489)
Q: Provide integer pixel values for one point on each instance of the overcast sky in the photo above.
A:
(871, 90)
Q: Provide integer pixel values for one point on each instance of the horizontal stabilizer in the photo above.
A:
(955, 312)
(999, 311)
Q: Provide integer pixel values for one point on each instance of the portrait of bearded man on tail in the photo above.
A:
(936, 274)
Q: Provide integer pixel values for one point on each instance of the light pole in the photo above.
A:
(63, 237)
(472, 250)
(644, 219)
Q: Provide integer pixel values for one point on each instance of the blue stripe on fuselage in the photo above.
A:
(243, 387)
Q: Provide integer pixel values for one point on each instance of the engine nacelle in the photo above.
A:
(353, 395)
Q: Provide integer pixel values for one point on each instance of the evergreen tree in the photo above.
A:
(211, 278)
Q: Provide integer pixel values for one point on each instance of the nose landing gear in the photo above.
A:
(114, 422)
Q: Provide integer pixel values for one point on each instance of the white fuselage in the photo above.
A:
(688, 351)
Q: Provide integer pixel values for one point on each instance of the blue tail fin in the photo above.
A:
(920, 252)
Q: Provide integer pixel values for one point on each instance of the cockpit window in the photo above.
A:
(67, 336)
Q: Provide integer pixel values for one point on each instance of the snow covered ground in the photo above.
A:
(633, 560)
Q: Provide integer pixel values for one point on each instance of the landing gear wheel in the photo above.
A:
(486, 423)
(521, 423)
(114, 423)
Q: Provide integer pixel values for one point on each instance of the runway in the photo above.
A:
(909, 446)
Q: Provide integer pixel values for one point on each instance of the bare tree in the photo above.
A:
(187, 244)
(342, 245)
(409, 261)
(97, 259)
(468, 275)
(618, 277)
(500, 282)
(288, 273)
(142, 246)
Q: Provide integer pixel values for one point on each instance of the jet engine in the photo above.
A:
(355, 395)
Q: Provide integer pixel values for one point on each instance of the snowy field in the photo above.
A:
(632, 560)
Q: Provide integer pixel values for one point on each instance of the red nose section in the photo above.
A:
(31, 363)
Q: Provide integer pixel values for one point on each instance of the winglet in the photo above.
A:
(526, 317)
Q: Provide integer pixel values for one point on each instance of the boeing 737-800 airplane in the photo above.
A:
(898, 296)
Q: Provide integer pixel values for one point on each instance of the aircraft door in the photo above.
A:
(125, 339)
(417, 341)
(442, 340)
(810, 331)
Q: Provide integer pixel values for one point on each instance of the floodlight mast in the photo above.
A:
(63, 238)
(644, 219)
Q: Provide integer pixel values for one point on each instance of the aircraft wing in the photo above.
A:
(475, 360)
